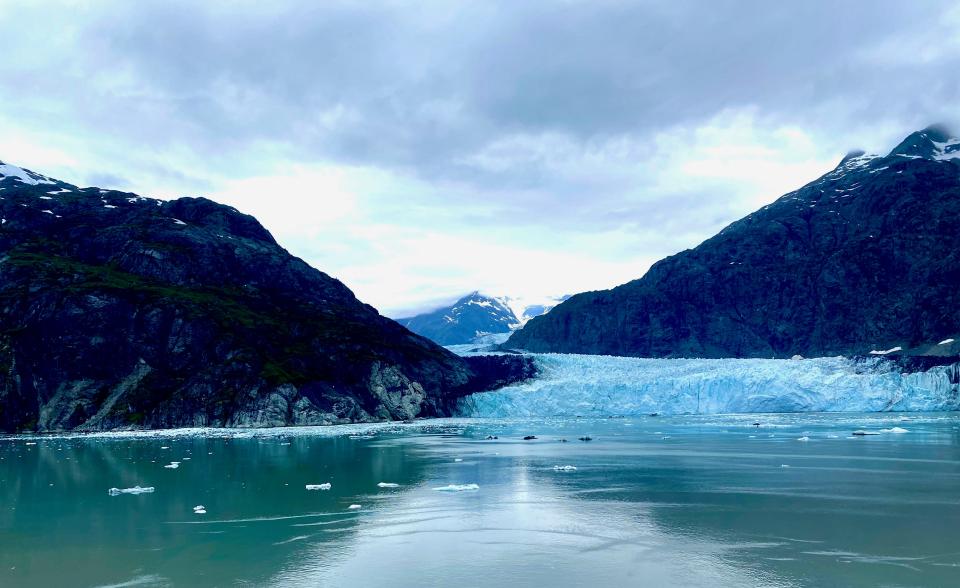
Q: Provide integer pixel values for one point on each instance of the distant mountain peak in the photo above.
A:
(477, 315)
(854, 154)
(934, 142)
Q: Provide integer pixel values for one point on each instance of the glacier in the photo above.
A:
(603, 386)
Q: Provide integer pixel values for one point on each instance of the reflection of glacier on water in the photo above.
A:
(589, 385)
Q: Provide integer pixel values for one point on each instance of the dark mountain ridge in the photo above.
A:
(118, 311)
(864, 258)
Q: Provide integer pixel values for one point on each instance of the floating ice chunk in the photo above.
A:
(458, 459)
(898, 430)
(178, 221)
(164, 447)
(200, 509)
(945, 342)
(354, 507)
(325, 486)
(783, 465)
(804, 438)
(891, 350)
(134, 490)
(388, 485)
(564, 468)
(457, 488)
(31, 442)
(172, 465)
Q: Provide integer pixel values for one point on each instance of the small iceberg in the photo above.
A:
(896, 430)
(457, 488)
(326, 486)
(134, 490)
(172, 465)
(388, 485)
(199, 509)
(804, 438)
(354, 507)
(564, 468)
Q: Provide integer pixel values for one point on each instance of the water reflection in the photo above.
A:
(689, 501)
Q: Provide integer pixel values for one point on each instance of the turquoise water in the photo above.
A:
(680, 501)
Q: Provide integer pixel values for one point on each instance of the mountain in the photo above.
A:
(119, 311)
(477, 315)
(470, 317)
(865, 258)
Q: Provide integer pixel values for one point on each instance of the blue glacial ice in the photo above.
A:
(592, 386)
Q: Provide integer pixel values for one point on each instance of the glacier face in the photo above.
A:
(591, 385)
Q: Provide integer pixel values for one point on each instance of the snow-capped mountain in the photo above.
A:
(863, 258)
(477, 315)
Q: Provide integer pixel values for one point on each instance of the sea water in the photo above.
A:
(743, 500)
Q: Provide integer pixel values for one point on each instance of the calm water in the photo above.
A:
(691, 501)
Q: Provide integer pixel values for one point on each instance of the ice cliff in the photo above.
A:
(590, 385)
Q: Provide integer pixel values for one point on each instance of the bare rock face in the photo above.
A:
(864, 258)
(120, 312)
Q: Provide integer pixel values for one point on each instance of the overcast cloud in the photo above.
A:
(418, 151)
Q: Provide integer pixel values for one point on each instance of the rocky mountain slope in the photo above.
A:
(475, 316)
(118, 311)
(865, 258)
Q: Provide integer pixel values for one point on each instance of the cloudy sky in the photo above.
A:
(421, 150)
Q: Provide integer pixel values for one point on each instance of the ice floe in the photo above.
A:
(457, 488)
(325, 486)
(354, 507)
(134, 490)
(388, 485)
(564, 468)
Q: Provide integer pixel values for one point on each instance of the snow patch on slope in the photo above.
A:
(25, 176)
